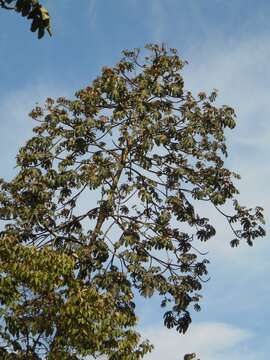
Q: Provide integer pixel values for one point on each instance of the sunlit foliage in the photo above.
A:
(105, 205)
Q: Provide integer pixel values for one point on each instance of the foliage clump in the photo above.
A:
(105, 204)
(33, 11)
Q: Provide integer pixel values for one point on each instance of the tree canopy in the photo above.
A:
(32, 10)
(104, 206)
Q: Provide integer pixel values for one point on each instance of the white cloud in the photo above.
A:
(239, 69)
(158, 10)
(240, 73)
(92, 10)
(15, 123)
(211, 341)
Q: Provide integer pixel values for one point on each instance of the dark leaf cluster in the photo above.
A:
(32, 10)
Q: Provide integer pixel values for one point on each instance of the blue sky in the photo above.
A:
(228, 48)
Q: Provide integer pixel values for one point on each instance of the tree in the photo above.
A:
(34, 11)
(105, 204)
